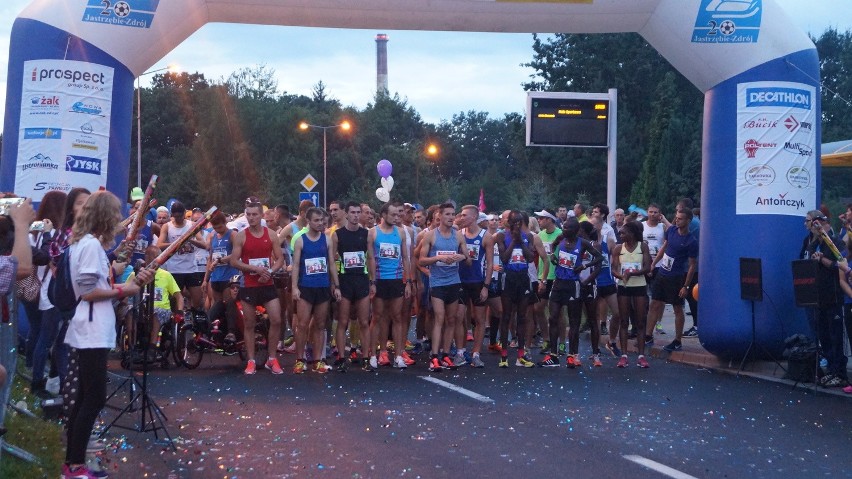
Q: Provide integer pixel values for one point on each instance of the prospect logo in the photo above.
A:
(778, 96)
(82, 164)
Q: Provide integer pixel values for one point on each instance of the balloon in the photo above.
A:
(385, 168)
(695, 292)
(387, 183)
(383, 194)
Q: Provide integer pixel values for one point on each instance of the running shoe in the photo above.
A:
(613, 349)
(477, 362)
(596, 361)
(81, 472)
(573, 361)
(848, 389)
(835, 382)
(448, 363)
(272, 365)
(321, 367)
(561, 350)
(459, 359)
(409, 346)
(467, 357)
(280, 348)
(545, 347)
(353, 356)
(622, 363)
(649, 342)
(340, 365)
(300, 367)
(251, 367)
(399, 362)
(691, 333)
(435, 365)
(523, 362)
(469, 336)
(659, 328)
(549, 361)
(290, 340)
(417, 348)
(408, 360)
(95, 444)
(673, 346)
(642, 362)
(290, 348)
(370, 365)
(384, 359)
(504, 362)
(495, 348)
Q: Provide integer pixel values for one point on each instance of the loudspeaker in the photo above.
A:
(751, 279)
(805, 283)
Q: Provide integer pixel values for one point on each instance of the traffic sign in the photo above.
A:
(309, 183)
(312, 196)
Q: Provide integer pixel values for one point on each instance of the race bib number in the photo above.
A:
(354, 259)
(141, 245)
(566, 260)
(667, 262)
(158, 294)
(389, 251)
(218, 254)
(262, 262)
(201, 257)
(548, 248)
(316, 266)
(473, 252)
(444, 253)
(630, 267)
(517, 257)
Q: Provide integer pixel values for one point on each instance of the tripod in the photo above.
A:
(151, 417)
(753, 344)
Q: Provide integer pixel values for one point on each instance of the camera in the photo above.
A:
(7, 203)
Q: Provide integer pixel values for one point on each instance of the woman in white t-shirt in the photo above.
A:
(91, 332)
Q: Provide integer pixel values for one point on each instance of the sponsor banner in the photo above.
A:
(64, 130)
(728, 21)
(123, 13)
(776, 148)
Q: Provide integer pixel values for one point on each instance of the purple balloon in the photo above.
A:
(385, 168)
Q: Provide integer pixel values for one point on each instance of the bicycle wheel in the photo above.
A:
(186, 351)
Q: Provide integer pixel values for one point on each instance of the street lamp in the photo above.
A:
(345, 125)
(172, 69)
(431, 151)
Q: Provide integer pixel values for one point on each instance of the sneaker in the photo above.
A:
(321, 367)
(341, 365)
(848, 389)
(95, 445)
(291, 348)
(835, 382)
(649, 342)
(371, 366)
(523, 362)
(613, 349)
(691, 333)
(448, 363)
(280, 348)
(353, 356)
(300, 367)
(290, 340)
(468, 357)
(251, 367)
(642, 362)
(81, 472)
(417, 348)
(408, 360)
(549, 361)
(399, 362)
(477, 362)
(571, 362)
(409, 346)
(435, 365)
(561, 350)
(659, 328)
(384, 359)
(622, 363)
(596, 361)
(673, 346)
(459, 359)
(52, 385)
(545, 347)
(495, 348)
(504, 362)
(469, 336)
(230, 338)
(272, 365)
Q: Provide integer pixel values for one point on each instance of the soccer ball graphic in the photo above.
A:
(121, 9)
(727, 27)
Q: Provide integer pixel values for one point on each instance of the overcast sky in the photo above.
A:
(439, 73)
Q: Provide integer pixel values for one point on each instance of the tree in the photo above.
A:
(257, 83)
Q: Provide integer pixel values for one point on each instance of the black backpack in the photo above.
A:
(60, 290)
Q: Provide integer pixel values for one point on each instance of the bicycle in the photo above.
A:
(197, 336)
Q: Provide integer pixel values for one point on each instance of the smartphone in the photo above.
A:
(37, 226)
(7, 203)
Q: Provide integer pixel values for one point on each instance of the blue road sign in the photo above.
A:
(312, 196)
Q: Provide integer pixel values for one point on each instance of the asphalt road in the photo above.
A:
(589, 422)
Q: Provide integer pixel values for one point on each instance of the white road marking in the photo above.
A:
(460, 390)
(661, 468)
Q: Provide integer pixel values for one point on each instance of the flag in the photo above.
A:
(481, 200)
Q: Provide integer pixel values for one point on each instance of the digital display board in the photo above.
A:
(567, 121)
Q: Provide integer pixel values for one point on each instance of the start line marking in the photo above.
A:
(661, 468)
(460, 390)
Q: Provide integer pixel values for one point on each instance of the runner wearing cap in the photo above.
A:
(547, 221)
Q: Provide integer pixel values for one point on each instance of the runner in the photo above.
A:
(182, 265)
(219, 269)
(258, 256)
(631, 260)
(549, 232)
(475, 279)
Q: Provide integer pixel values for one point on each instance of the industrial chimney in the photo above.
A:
(382, 64)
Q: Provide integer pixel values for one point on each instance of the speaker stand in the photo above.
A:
(753, 345)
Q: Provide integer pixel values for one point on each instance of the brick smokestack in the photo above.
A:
(382, 64)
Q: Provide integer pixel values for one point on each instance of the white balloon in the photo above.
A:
(383, 194)
(387, 183)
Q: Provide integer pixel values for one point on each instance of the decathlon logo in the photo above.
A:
(82, 164)
(778, 96)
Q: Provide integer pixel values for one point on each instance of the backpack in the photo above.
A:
(60, 290)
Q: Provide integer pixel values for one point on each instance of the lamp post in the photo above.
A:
(171, 69)
(345, 125)
(431, 151)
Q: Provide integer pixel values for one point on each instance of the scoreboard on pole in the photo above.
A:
(568, 119)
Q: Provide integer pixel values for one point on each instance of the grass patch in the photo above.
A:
(38, 437)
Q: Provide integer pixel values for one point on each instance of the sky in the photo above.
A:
(439, 74)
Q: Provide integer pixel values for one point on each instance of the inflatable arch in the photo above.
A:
(73, 63)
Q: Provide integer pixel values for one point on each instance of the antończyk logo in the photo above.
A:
(751, 146)
(793, 125)
(40, 162)
(778, 96)
(800, 149)
(781, 200)
(82, 164)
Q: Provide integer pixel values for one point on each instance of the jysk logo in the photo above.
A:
(126, 13)
(751, 146)
(778, 96)
(40, 162)
(727, 21)
(82, 164)
(800, 149)
(42, 133)
(794, 125)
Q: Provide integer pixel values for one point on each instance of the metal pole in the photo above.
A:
(612, 151)
(324, 168)
(138, 133)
